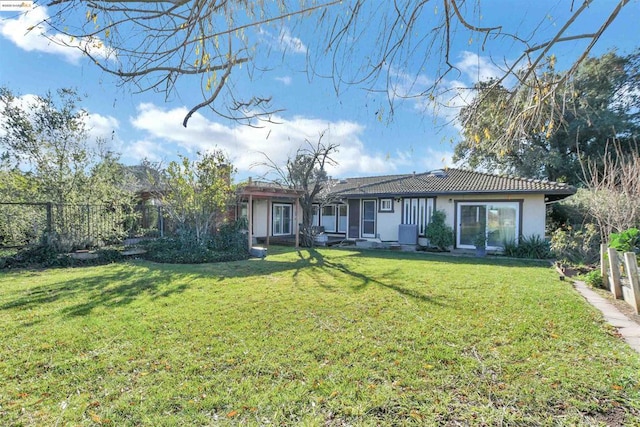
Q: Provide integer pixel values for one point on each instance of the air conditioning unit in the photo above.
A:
(408, 234)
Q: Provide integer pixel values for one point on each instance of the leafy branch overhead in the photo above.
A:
(156, 45)
(597, 104)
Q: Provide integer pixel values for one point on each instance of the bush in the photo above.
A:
(532, 247)
(229, 243)
(439, 234)
(44, 256)
(594, 279)
(577, 246)
(625, 241)
(177, 251)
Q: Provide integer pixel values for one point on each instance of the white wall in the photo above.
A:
(387, 222)
(260, 218)
(260, 207)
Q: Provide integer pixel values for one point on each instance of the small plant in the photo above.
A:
(510, 249)
(480, 241)
(533, 247)
(440, 235)
(593, 279)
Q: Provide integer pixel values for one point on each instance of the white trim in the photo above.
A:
(386, 205)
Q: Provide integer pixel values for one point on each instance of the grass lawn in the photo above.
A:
(328, 337)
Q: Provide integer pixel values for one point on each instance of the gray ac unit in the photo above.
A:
(408, 234)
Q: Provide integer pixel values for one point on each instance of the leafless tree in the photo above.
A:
(154, 45)
(614, 190)
(306, 171)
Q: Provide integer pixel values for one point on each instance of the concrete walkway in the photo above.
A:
(629, 329)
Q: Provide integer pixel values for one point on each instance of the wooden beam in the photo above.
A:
(250, 221)
(269, 207)
(297, 223)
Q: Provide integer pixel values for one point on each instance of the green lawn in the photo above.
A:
(328, 337)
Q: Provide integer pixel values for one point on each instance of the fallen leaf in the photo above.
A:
(232, 414)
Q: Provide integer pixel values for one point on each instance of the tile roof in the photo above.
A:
(447, 181)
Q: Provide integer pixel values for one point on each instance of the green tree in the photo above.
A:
(47, 157)
(48, 137)
(600, 103)
(197, 194)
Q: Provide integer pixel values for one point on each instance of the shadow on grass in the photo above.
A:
(109, 288)
(365, 280)
(122, 284)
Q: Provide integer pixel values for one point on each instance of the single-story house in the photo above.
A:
(398, 208)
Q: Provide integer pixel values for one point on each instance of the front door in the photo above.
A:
(369, 218)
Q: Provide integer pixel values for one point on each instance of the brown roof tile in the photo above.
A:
(449, 181)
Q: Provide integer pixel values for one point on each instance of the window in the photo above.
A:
(329, 218)
(316, 215)
(386, 205)
(342, 218)
(282, 219)
(499, 221)
(418, 211)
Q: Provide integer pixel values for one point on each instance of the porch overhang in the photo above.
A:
(267, 191)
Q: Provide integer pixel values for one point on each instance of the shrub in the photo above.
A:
(532, 247)
(576, 246)
(510, 248)
(229, 243)
(625, 241)
(594, 279)
(43, 256)
(439, 234)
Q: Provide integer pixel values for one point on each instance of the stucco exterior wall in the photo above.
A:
(260, 208)
(387, 222)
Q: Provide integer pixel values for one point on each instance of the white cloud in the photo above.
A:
(29, 32)
(284, 41)
(245, 145)
(478, 68)
(146, 149)
(437, 159)
(286, 80)
(104, 128)
(291, 43)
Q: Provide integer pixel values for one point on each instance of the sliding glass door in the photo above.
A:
(498, 221)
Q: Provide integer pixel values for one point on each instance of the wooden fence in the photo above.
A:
(620, 275)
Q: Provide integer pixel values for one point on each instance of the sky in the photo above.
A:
(371, 139)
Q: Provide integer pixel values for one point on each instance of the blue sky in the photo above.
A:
(371, 140)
